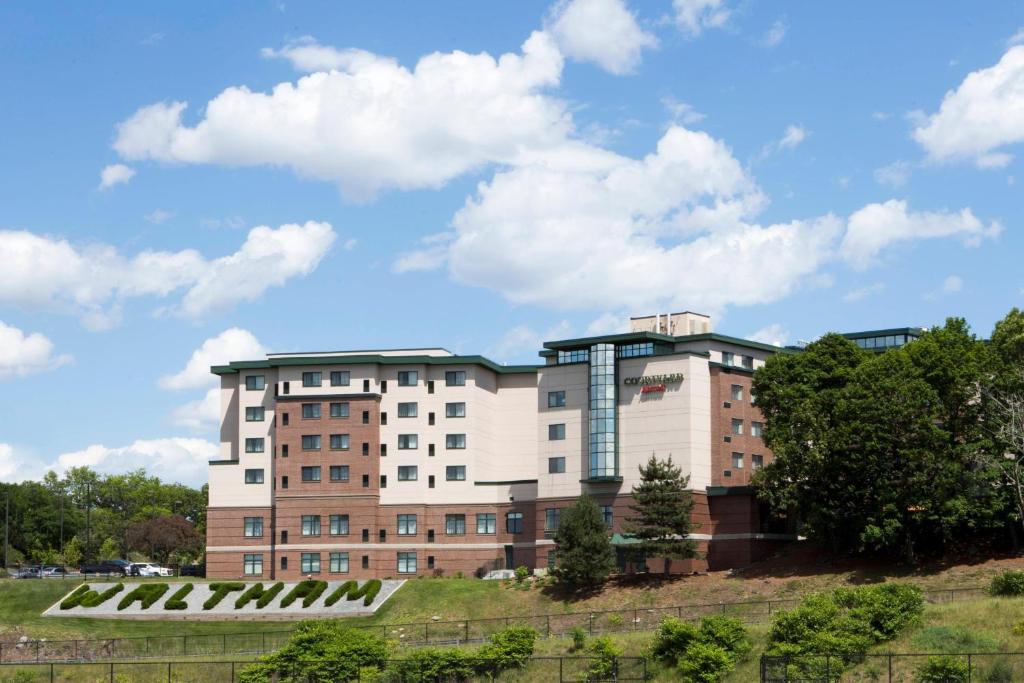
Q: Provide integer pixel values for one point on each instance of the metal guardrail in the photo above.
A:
(891, 667)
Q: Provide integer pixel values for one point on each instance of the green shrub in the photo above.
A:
(339, 592)
(672, 638)
(605, 659)
(321, 652)
(146, 593)
(94, 599)
(435, 664)
(177, 601)
(705, 662)
(727, 633)
(1000, 672)
(220, 590)
(522, 573)
(315, 592)
(304, 589)
(942, 670)
(362, 590)
(269, 595)
(75, 598)
(579, 638)
(887, 609)
(371, 588)
(509, 648)
(252, 593)
(1008, 583)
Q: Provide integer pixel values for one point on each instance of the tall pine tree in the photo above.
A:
(583, 550)
(663, 506)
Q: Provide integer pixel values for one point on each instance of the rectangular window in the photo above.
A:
(552, 559)
(756, 428)
(284, 419)
(430, 561)
(736, 394)
(455, 473)
(287, 387)
(254, 445)
(311, 442)
(340, 378)
(284, 563)
(254, 527)
(284, 450)
(311, 473)
(383, 450)
(284, 482)
(339, 472)
(737, 461)
(455, 409)
(339, 563)
(383, 481)
(366, 386)
(728, 358)
(406, 525)
(408, 409)
(556, 465)
(430, 386)
(430, 481)
(383, 418)
(756, 462)
(366, 481)
(339, 409)
(408, 378)
(455, 525)
(310, 563)
(406, 563)
(312, 379)
(455, 378)
(455, 441)
(366, 417)
(408, 442)
(366, 561)
(556, 399)
(551, 519)
(284, 537)
(339, 525)
(606, 514)
(430, 419)
(366, 535)
(748, 362)
(383, 386)
(255, 383)
(556, 432)
(514, 522)
(254, 414)
(339, 442)
(430, 450)
(310, 525)
(737, 426)
(252, 564)
(310, 411)
(408, 473)
(486, 523)
(254, 476)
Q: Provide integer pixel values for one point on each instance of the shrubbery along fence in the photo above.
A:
(973, 667)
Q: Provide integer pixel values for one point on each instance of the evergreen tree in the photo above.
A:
(583, 550)
(663, 507)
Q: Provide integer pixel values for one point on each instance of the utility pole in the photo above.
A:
(88, 528)
(62, 525)
(7, 525)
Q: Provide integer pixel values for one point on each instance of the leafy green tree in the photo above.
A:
(583, 550)
(663, 508)
(73, 551)
(110, 550)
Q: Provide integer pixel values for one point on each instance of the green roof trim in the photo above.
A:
(634, 337)
(372, 359)
(730, 490)
(625, 539)
(916, 331)
(510, 482)
(223, 462)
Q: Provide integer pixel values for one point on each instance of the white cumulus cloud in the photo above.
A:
(24, 354)
(693, 16)
(172, 459)
(230, 345)
(601, 31)
(115, 174)
(952, 284)
(201, 415)
(774, 334)
(895, 174)
(775, 34)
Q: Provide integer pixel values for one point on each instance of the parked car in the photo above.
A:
(194, 570)
(54, 572)
(107, 567)
(149, 569)
(30, 572)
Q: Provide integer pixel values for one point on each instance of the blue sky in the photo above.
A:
(188, 184)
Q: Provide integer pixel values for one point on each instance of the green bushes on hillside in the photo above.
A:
(370, 590)
(701, 654)
(320, 652)
(177, 601)
(339, 592)
(75, 598)
(220, 590)
(146, 593)
(269, 595)
(253, 592)
(1009, 583)
(309, 590)
(91, 598)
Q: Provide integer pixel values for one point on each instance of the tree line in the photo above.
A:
(86, 516)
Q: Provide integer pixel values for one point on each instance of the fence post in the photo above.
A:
(37, 652)
(233, 672)
(51, 672)
(591, 623)
(111, 672)
(828, 668)
(769, 608)
(968, 666)
(224, 645)
(426, 632)
(636, 619)
(548, 627)
(890, 667)
(168, 672)
(467, 630)
(560, 677)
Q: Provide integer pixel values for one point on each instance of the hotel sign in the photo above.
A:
(650, 384)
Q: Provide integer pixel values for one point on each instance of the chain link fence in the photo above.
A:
(967, 667)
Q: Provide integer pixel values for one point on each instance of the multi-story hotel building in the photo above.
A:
(419, 461)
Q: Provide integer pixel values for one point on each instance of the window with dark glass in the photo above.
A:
(286, 386)
(255, 383)
(383, 386)
(284, 419)
(254, 476)
(254, 527)
(455, 525)
(408, 442)
(310, 563)
(455, 409)
(254, 414)
(310, 411)
(406, 525)
(408, 473)
(366, 561)
(340, 378)
(556, 399)
(284, 537)
(284, 563)
(514, 522)
(556, 432)
(254, 445)
(430, 450)
(408, 409)
(310, 442)
(339, 563)
(310, 525)
(312, 379)
(430, 386)
(455, 378)
(556, 465)
(366, 386)
(408, 378)
(284, 482)
(551, 516)
(366, 448)
(455, 473)
(339, 525)
(366, 481)
(455, 441)
(406, 563)
(366, 417)
(383, 418)
(748, 362)
(430, 481)
(284, 450)
(486, 523)
(311, 473)
(339, 472)
(606, 514)
(339, 442)
(339, 409)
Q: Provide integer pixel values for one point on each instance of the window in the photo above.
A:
(254, 476)
(455, 441)
(311, 473)
(366, 386)
(254, 414)
(514, 522)
(383, 386)
(407, 473)
(728, 358)
(406, 563)
(310, 563)
(339, 563)
(455, 410)
(430, 450)
(756, 462)
(284, 419)
(310, 411)
(340, 378)
(737, 461)
(556, 465)
(455, 473)
(254, 527)
(366, 535)
(284, 450)
(430, 481)
(338, 525)
(408, 378)
(383, 450)
(287, 387)
(408, 409)
(284, 537)
(254, 445)
(455, 378)
(366, 417)
(310, 525)
(366, 561)
(339, 472)
(455, 525)
(556, 432)
(430, 418)
(366, 448)
(311, 442)
(576, 356)
(756, 428)
(748, 362)
(339, 442)
(366, 481)
(737, 392)
(551, 519)
(255, 383)
(430, 386)
(284, 563)
(486, 523)
(737, 426)
(556, 399)
(430, 535)
(406, 525)
(606, 514)
(312, 379)
(284, 482)
(430, 561)
(383, 418)
(252, 564)
(407, 442)
(552, 561)
(339, 409)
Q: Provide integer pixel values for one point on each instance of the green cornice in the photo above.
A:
(916, 331)
(372, 359)
(638, 337)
